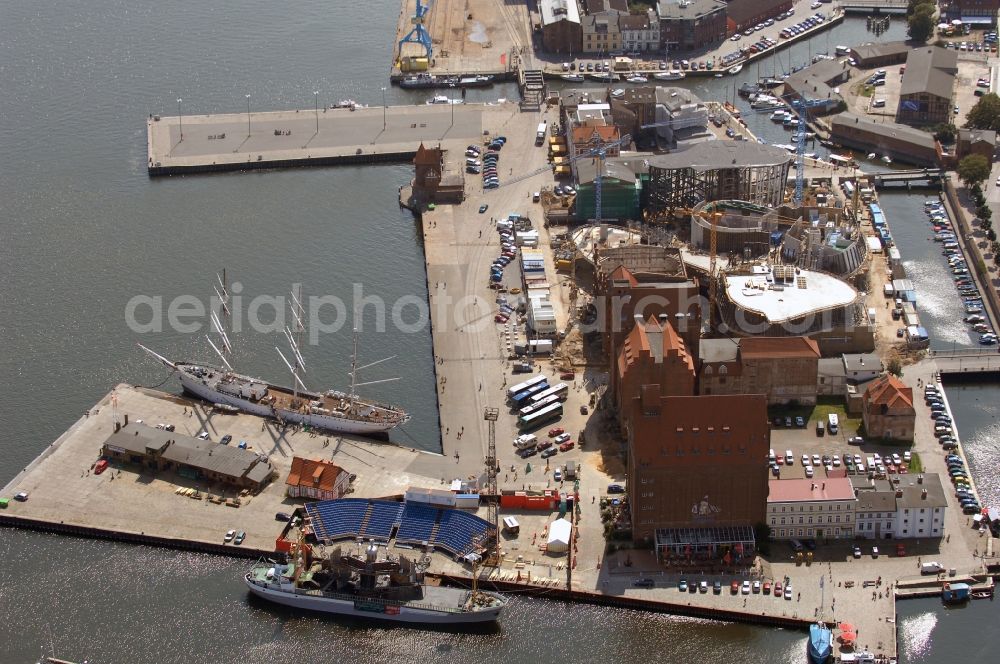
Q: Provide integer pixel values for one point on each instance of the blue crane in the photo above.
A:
(800, 106)
(419, 34)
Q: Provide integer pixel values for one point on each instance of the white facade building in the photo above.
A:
(811, 508)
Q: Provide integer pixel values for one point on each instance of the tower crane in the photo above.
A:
(800, 106)
(418, 34)
(600, 152)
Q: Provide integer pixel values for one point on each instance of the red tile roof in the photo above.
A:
(778, 347)
(585, 133)
(320, 475)
(807, 490)
(890, 394)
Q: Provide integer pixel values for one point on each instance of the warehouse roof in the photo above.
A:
(902, 132)
(721, 154)
(554, 11)
(693, 9)
(931, 70)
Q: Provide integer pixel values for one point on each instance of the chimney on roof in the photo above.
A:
(923, 494)
(920, 479)
(899, 492)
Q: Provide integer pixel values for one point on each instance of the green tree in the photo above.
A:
(984, 213)
(986, 113)
(920, 24)
(991, 235)
(912, 6)
(945, 132)
(974, 168)
(895, 367)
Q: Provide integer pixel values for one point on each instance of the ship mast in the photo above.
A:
(224, 314)
(355, 369)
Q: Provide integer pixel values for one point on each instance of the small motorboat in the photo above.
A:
(872, 156)
(886, 159)
(572, 78)
(736, 70)
(636, 78)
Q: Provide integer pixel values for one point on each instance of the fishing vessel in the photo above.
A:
(332, 410)
(364, 586)
(819, 648)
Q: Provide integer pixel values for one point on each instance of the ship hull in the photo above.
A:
(197, 388)
(407, 614)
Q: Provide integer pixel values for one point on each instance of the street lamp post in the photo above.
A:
(384, 121)
(180, 118)
(248, 116)
(316, 104)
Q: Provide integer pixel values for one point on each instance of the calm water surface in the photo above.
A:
(83, 230)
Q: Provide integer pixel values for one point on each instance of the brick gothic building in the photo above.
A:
(697, 480)
(784, 368)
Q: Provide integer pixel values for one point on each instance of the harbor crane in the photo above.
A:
(418, 34)
(491, 492)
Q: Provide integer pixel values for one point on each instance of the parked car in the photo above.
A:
(230, 534)
(240, 536)
(644, 583)
(100, 466)
(282, 516)
(616, 488)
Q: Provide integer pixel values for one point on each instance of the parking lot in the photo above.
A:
(826, 452)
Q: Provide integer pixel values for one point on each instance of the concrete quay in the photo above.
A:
(306, 137)
(64, 495)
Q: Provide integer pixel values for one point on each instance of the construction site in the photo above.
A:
(456, 37)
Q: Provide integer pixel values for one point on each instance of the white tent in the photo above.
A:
(559, 535)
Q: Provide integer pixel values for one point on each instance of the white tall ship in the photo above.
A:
(332, 410)
(365, 587)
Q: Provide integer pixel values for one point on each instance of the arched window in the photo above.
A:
(723, 370)
(708, 369)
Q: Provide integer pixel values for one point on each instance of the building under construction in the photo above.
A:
(810, 237)
(717, 170)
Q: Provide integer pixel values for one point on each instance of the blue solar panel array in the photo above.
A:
(345, 518)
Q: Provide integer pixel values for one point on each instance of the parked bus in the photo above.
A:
(521, 398)
(538, 405)
(540, 417)
(520, 387)
(560, 390)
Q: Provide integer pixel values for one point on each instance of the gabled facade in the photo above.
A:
(887, 409)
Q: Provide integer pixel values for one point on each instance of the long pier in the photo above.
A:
(296, 138)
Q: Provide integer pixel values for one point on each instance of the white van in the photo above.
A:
(878, 103)
(525, 441)
(832, 422)
(789, 458)
(931, 568)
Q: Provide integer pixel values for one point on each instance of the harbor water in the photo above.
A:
(84, 230)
